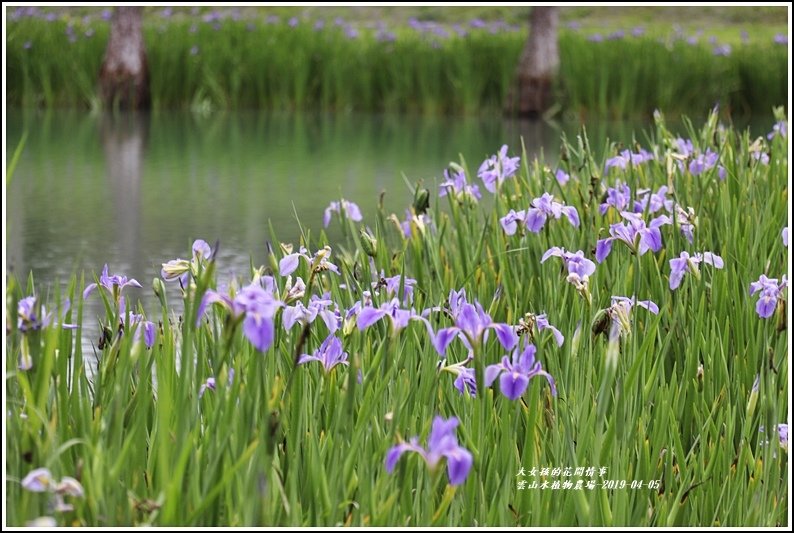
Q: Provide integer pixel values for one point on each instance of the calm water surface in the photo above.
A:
(135, 192)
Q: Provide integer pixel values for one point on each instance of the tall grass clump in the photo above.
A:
(213, 61)
(387, 378)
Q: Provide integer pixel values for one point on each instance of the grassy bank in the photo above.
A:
(203, 410)
(239, 60)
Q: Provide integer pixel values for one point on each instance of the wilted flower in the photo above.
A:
(412, 221)
(531, 322)
(441, 443)
(686, 263)
(41, 480)
(330, 354)
(515, 374)
(350, 210)
(318, 263)
(687, 221)
(180, 268)
(620, 311)
(497, 168)
(294, 292)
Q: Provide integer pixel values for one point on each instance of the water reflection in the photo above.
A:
(124, 144)
(135, 192)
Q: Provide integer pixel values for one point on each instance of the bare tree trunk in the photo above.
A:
(531, 95)
(124, 77)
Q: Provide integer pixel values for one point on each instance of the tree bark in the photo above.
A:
(531, 95)
(124, 77)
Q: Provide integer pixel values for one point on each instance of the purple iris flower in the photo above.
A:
(619, 197)
(256, 304)
(686, 263)
(576, 263)
(497, 168)
(780, 128)
(535, 217)
(211, 384)
(471, 325)
(771, 291)
(626, 157)
(113, 284)
(722, 50)
(441, 443)
(784, 236)
(350, 209)
(704, 162)
(638, 236)
(399, 318)
(759, 155)
(685, 147)
(561, 176)
(38, 480)
(330, 354)
(653, 202)
(318, 263)
(510, 221)
(323, 307)
(542, 322)
(465, 380)
(782, 432)
(455, 182)
(139, 323)
(207, 385)
(31, 318)
(516, 373)
(780, 38)
(41, 480)
(392, 285)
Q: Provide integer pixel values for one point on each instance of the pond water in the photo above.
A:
(135, 191)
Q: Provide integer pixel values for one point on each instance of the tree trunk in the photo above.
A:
(124, 77)
(531, 95)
